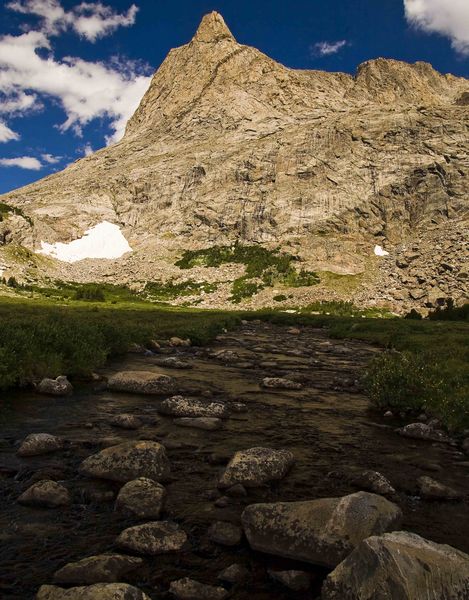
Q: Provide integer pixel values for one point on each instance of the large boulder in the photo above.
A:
(154, 538)
(321, 532)
(189, 589)
(55, 387)
(256, 466)
(400, 565)
(48, 494)
(179, 406)
(39, 443)
(141, 382)
(142, 498)
(128, 461)
(100, 591)
(104, 568)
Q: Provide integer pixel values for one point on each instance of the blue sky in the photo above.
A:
(71, 73)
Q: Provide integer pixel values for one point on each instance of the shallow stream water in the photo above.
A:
(328, 425)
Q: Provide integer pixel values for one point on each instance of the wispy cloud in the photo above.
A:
(22, 162)
(91, 20)
(328, 48)
(445, 17)
(50, 159)
(7, 134)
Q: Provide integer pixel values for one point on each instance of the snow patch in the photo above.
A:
(104, 240)
(380, 252)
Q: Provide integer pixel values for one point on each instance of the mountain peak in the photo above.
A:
(212, 29)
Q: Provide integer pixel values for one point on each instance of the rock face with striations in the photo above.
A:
(228, 144)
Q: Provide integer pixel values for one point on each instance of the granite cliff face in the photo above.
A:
(229, 145)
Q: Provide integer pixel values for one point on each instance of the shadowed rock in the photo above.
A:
(100, 591)
(39, 443)
(154, 538)
(400, 565)
(256, 466)
(142, 498)
(321, 532)
(128, 461)
(104, 568)
(48, 494)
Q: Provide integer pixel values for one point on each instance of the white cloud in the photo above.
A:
(88, 150)
(446, 17)
(86, 90)
(328, 48)
(90, 20)
(50, 158)
(7, 134)
(19, 103)
(23, 162)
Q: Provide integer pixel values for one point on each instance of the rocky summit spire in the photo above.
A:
(212, 28)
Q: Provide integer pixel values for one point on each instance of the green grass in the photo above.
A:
(169, 290)
(39, 339)
(272, 267)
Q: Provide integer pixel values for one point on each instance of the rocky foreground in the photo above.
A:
(251, 469)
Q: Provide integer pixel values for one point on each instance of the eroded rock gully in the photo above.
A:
(326, 425)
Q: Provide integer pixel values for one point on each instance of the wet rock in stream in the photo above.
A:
(189, 589)
(105, 568)
(48, 494)
(39, 443)
(142, 498)
(322, 531)
(141, 382)
(128, 461)
(205, 423)
(179, 406)
(126, 422)
(256, 466)
(152, 538)
(400, 565)
(100, 591)
(55, 387)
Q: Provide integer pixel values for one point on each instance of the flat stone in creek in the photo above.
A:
(104, 568)
(280, 383)
(125, 421)
(434, 490)
(142, 498)
(153, 538)
(36, 444)
(225, 534)
(100, 591)
(48, 494)
(321, 532)
(55, 387)
(400, 565)
(422, 431)
(189, 589)
(128, 461)
(172, 362)
(180, 406)
(205, 423)
(141, 382)
(256, 466)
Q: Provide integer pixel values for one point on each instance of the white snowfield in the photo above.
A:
(104, 240)
(380, 252)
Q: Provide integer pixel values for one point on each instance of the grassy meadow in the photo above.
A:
(424, 366)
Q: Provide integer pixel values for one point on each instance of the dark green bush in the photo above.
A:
(413, 314)
(90, 292)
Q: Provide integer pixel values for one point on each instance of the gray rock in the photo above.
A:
(234, 574)
(179, 406)
(373, 481)
(280, 383)
(172, 362)
(205, 423)
(176, 342)
(55, 387)
(126, 422)
(321, 532)
(39, 443)
(104, 568)
(298, 581)
(434, 490)
(226, 534)
(189, 589)
(48, 494)
(423, 431)
(400, 565)
(100, 591)
(142, 498)
(256, 466)
(141, 382)
(128, 461)
(153, 538)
